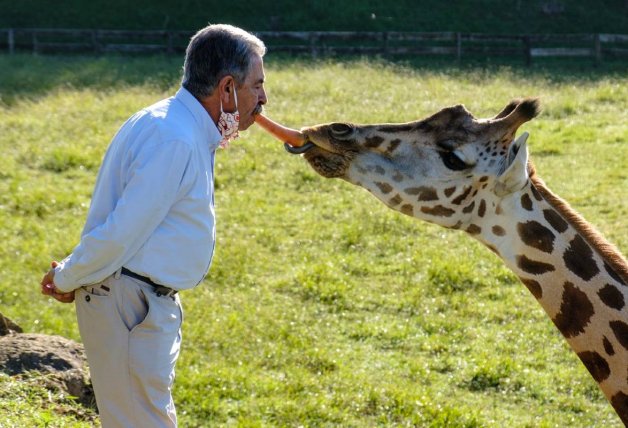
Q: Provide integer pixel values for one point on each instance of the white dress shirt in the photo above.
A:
(152, 209)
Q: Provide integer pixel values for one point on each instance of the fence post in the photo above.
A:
(35, 43)
(313, 41)
(458, 46)
(11, 41)
(170, 48)
(527, 50)
(597, 48)
(385, 38)
(95, 41)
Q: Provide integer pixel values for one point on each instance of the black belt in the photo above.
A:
(160, 290)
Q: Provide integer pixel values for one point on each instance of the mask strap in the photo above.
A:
(235, 96)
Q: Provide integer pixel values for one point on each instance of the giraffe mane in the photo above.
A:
(609, 252)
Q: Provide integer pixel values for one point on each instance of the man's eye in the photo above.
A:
(452, 161)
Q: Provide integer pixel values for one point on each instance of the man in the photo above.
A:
(150, 228)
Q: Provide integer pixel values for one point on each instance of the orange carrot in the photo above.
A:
(287, 135)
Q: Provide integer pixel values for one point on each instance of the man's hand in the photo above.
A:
(49, 289)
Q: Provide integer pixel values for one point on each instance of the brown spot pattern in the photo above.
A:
(534, 267)
(482, 208)
(611, 297)
(596, 364)
(613, 274)
(619, 402)
(474, 229)
(384, 187)
(575, 313)
(395, 200)
(438, 211)
(395, 129)
(608, 346)
(393, 146)
(499, 231)
(536, 194)
(407, 209)
(526, 202)
(579, 259)
(535, 235)
(534, 287)
(425, 193)
(620, 329)
(450, 191)
(458, 200)
(469, 208)
(373, 142)
(555, 220)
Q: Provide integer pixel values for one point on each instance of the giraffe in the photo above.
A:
(471, 174)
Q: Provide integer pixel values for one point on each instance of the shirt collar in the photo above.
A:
(200, 116)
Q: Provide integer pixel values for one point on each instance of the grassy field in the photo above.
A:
(322, 308)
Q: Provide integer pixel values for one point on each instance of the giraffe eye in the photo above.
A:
(452, 161)
(340, 130)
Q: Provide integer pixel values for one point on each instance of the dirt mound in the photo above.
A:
(63, 360)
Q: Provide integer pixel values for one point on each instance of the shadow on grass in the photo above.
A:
(28, 76)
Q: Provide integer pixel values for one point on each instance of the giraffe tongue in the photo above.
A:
(294, 141)
(299, 150)
(289, 136)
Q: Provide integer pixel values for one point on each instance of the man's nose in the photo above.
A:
(262, 97)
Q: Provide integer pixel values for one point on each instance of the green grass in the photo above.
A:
(25, 401)
(322, 308)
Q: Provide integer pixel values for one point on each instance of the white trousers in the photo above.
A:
(132, 339)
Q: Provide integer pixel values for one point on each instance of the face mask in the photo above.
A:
(228, 123)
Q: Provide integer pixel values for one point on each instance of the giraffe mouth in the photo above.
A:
(299, 150)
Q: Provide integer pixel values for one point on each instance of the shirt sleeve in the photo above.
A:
(153, 184)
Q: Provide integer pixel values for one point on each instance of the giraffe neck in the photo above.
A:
(580, 280)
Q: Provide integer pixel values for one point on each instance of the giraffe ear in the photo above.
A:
(515, 174)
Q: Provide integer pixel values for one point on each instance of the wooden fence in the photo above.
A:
(328, 43)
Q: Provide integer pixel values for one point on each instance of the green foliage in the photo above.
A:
(494, 16)
(322, 307)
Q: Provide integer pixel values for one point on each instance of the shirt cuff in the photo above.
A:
(61, 280)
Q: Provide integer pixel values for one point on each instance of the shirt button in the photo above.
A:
(87, 298)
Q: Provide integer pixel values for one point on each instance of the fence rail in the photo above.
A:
(325, 43)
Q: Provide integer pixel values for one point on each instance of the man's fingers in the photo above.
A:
(61, 297)
(65, 297)
(48, 286)
(45, 280)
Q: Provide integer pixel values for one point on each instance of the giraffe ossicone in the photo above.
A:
(471, 174)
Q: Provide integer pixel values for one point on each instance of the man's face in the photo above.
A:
(251, 94)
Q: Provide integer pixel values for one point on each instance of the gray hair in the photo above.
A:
(217, 51)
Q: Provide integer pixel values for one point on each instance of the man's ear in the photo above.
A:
(515, 175)
(225, 88)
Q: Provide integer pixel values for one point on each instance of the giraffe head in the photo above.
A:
(433, 169)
